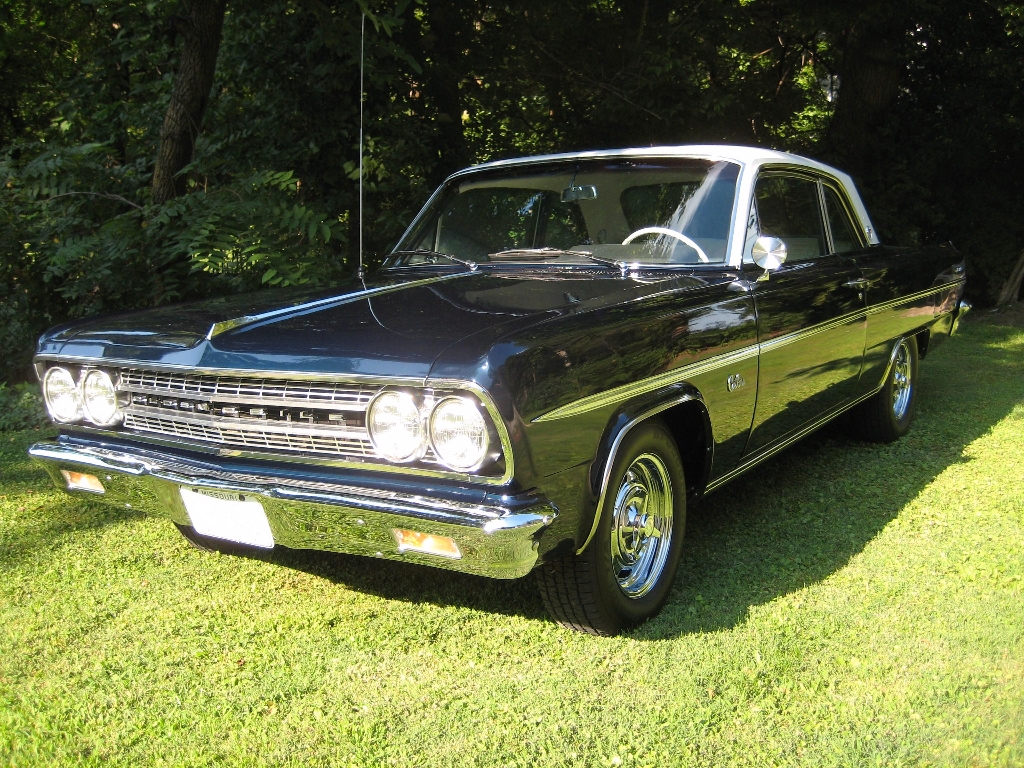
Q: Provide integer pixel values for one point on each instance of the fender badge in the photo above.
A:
(734, 382)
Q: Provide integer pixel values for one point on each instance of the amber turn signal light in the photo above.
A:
(78, 482)
(414, 541)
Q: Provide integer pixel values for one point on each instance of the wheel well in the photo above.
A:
(922, 343)
(688, 423)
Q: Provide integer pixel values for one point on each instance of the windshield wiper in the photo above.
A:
(546, 252)
(436, 255)
(619, 265)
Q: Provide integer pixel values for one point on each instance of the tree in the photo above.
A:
(201, 31)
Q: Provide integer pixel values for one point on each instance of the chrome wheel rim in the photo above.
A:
(901, 383)
(641, 526)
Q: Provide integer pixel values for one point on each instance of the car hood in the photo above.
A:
(396, 325)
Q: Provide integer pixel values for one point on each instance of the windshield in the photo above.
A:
(651, 211)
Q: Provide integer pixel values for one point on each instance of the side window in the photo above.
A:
(844, 234)
(788, 208)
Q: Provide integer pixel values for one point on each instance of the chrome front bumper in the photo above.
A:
(496, 540)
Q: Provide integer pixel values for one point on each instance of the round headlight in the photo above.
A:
(458, 433)
(99, 399)
(396, 428)
(63, 400)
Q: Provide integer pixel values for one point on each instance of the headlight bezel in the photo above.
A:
(76, 389)
(487, 452)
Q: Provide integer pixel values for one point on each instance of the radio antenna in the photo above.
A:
(362, 59)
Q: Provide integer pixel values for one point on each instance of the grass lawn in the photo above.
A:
(843, 604)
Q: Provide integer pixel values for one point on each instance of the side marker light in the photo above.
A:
(78, 482)
(414, 541)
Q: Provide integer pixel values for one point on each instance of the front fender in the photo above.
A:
(620, 424)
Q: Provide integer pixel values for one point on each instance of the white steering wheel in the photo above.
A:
(666, 231)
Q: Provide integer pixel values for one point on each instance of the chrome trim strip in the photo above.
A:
(753, 461)
(606, 474)
(223, 326)
(884, 305)
(677, 375)
(644, 386)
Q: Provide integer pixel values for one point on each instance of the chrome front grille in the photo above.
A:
(253, 436)
(243, 390)
(259, 415)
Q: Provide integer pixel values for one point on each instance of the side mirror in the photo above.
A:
(769, 253)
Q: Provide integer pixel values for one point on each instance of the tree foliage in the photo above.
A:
(920, 100)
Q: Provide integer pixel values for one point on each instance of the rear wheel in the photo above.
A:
(624, 575)
(886, 416)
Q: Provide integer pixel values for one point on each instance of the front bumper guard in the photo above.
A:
(499, 541)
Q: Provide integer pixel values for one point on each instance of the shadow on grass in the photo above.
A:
(28, 488)
(788, 523)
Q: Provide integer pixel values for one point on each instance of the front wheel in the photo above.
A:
(886, 416)
(624, 575)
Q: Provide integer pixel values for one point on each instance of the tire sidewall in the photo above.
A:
(900, 426)
(649, 437)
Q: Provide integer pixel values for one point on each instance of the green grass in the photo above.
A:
(843, 604)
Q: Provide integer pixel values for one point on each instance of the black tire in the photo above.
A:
(883, 418)
(211, 544)
(584, 592)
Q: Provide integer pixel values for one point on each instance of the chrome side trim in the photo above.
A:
(224, 326)
(651, 384)
(613, 452)
(676, 375)
(753, 461)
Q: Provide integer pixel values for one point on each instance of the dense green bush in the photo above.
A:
(21, 407)
(271, 194)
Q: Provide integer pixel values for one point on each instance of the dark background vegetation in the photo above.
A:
(159, 150)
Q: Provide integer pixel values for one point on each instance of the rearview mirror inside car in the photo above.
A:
(571, 194)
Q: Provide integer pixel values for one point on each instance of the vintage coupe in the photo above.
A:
(559, 356)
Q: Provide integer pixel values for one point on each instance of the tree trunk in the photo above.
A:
(1011, 288)
(869, 77)
(442, 86)
(201, 28)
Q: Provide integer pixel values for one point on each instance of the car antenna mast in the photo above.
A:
(362, 59)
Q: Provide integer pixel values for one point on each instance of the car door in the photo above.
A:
(810, 313)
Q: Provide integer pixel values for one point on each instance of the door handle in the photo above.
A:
(859, 283)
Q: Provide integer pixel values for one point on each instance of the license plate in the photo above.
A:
(228, 515)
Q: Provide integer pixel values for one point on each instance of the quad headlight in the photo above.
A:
(396, 426)
(93, 396)
(458, 432)
(99, 399)
(63, 398)
(401, 426)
